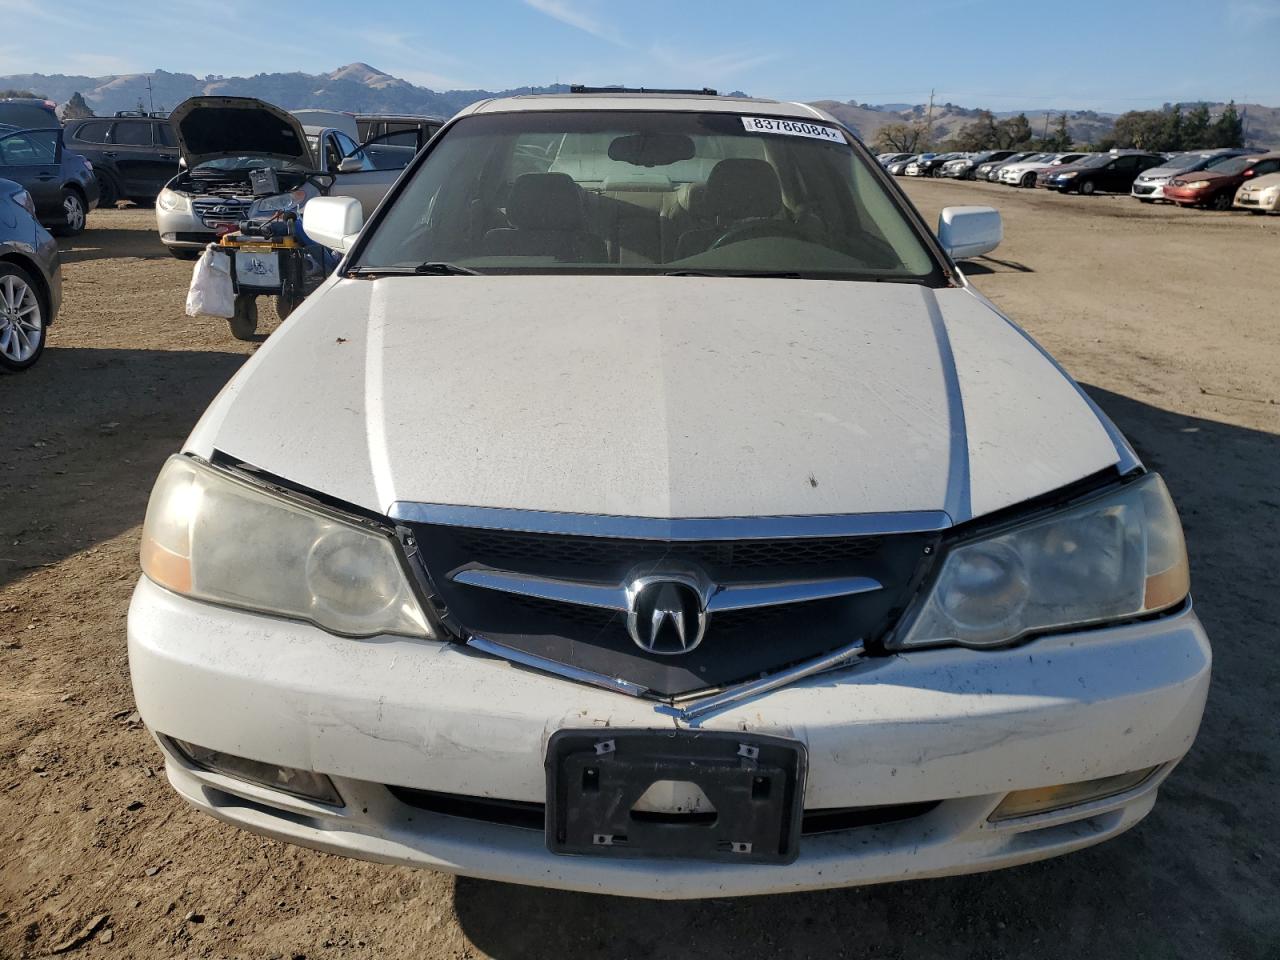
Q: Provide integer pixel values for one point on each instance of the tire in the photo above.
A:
(1221, 202)
(1145, 200)
(182, 253)
(1028, 180)
(74, 214)
(22, 319)
(1087, 188)
(286, 303)
(108, 195)
(245, 322)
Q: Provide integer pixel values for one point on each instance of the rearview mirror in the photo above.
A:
(651, 149)
(969, 231)
(333, 222)
(350, 165)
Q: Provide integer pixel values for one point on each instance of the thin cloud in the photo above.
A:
(573, 15)
(1251, 14)
(704, 68)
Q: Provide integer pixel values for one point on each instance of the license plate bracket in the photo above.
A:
(754, 783)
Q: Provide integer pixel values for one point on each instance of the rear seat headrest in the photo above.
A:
(741, 188)
(545, 201)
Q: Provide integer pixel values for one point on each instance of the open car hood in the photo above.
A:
(211, 128)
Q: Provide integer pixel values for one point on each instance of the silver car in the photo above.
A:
(1149, 187)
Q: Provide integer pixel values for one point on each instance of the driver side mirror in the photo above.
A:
(333, 222)
(350, 165)
(968, 231)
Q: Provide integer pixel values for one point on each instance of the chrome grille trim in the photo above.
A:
(722, 597)
(676, 529)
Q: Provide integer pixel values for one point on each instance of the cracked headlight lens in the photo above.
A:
(1116, 556)
(212, 536)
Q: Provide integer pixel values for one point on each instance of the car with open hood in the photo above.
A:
(245, 158)
(1260, 194)
(241, 157)
(1215, 187)
(648, 505)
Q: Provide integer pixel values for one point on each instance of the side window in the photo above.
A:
(95, 131)
(164, 135)
(28, 148)
(346, 145)
(1265, 167)
(132, 133)
(332, 155)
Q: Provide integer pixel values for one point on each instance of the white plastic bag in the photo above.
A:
(211, 293)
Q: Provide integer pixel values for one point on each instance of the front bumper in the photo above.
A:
(954, 726)
(1254, 201)
(1147, 191)
(183, 230)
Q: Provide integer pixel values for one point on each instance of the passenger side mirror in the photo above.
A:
(350, 165)
(333, 222)
(968, 231)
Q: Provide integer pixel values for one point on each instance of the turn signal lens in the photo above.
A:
(1025, 803)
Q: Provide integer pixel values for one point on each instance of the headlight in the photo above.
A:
(23, 199)
(212, 536)
(280, 203)
(173, 201)
(1270, 195)
(1196, 184)
(1118, 555)
(1067, 176)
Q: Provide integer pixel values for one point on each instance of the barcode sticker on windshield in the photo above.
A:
(793, 128)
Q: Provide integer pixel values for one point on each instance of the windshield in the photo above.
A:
(1228, 164)
(1099, 160)
(606, 192)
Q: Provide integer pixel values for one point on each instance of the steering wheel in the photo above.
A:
(757, 229)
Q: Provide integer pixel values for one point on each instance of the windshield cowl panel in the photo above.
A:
(661, 192)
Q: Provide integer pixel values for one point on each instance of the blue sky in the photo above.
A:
(1101, 54)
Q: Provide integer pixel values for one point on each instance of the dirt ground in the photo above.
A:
(1171, 318)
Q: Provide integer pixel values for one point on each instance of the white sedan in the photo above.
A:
(648, 506)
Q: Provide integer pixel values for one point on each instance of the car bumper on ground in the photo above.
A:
(1147, 191)
(183, 230)
(951, 730)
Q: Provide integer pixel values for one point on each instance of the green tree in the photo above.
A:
(76, 108)
(1228, 129)
(1195, 129)
(1060, 139)
(1174, 132)
(1013, 132)
(982, 134)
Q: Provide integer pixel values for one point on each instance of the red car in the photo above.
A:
(1216, 186)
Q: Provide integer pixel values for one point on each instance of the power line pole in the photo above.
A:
(928, 136)
(150, 96)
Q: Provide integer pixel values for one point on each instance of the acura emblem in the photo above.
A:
(667, 611)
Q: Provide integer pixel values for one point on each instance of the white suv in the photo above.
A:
(648, 506)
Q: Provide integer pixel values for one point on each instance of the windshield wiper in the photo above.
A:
(763, 274)
(432, 268)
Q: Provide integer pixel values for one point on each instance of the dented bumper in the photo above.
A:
(954, 728)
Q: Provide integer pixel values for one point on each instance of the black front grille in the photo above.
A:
(738, 645)
(532, 816)
(719, 557)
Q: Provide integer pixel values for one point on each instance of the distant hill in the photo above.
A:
(360, 88)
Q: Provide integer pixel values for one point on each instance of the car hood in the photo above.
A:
(1191, 176)
(1264, 182)
(211, 128)
(658, 397)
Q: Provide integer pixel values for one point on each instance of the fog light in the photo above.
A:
(1024, 803)
(298, 783)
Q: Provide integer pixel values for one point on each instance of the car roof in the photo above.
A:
(400, 117)
(664, 102)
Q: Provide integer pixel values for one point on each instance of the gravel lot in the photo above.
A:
(1168, 316)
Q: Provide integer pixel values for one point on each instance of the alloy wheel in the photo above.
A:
(21, 326)
(73, 210)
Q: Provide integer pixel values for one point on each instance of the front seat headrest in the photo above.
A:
(545, 201)
(740, 188)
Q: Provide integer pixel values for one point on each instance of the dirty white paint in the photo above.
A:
(960, 726)
(675, 397)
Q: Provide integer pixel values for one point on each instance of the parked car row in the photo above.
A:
(1213, 179)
